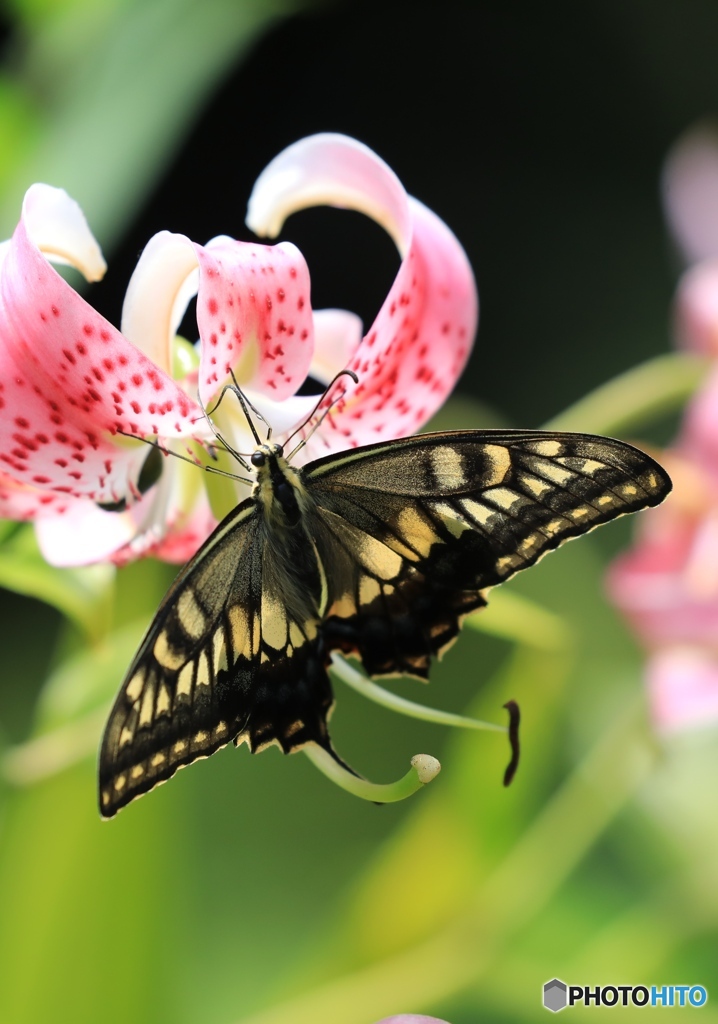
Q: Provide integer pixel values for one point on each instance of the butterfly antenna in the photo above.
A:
(325, 412)
(192, 462)
(227, 446)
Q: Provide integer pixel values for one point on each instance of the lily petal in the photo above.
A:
(57, 226)
(22, 502)
(413, 354)
(70, 381)
(159, 291)
(254, 316)
(337, 336)
(253, 310)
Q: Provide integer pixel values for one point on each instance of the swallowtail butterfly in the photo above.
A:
(377, 551)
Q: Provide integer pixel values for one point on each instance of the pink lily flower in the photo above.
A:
(667, 585)
(72, 385)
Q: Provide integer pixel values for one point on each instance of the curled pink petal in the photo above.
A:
(254, 315)
(162, 285)
(690, 192)
(413, 354)
(57, 226)
(683, 687)
(69, 381)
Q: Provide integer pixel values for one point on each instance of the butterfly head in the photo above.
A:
(266, 455)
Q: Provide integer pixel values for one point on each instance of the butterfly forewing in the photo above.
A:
(381, 552)
(231, 655)
(456, 513)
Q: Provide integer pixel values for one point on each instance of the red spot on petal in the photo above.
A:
(69, 356)
(81, 349)
(137, 379)
(88, 329)
(55, 310)
(280, 294)
(212, 306)
(136, 407)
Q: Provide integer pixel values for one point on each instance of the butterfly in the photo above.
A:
(378, 552)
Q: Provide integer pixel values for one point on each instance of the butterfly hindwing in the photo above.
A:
(417, 529)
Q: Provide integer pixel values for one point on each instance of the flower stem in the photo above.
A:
(423, 769)
(635, 398)
(379, 695)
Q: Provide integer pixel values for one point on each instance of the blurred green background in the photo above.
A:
(249, 889)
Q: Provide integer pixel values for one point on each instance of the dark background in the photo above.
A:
(537, 131)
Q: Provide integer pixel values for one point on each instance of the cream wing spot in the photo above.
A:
(135, 686)
(239, 626)
(184, 681)
(163, 700)
(296, 637)
(447, 465)
(418, 531)
(219, 652)
(558, 474)
(147, 709)
(203, 675)
(550, 449)
(274, 622)
(191, 617)
(498, 464)
(506, 499)
(168, 656)
(535, 485)
(480, 513)
(369, 590)
(451, 518)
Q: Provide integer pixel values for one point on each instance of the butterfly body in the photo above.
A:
(379, 552)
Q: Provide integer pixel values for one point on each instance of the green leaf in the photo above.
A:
(83, 594)
(98, 65)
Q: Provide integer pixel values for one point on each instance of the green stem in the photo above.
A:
(379, 695)
(465, 950)
(423, 769)
(635, 398)
(514, 617)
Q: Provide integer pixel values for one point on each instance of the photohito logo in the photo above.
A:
(557, 995)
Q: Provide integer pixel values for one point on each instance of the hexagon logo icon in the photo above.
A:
(554, 995)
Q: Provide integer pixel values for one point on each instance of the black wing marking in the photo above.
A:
(416, 530)
(232, 654)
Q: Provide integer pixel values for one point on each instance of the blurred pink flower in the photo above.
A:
(667, 585)
(71, 385)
